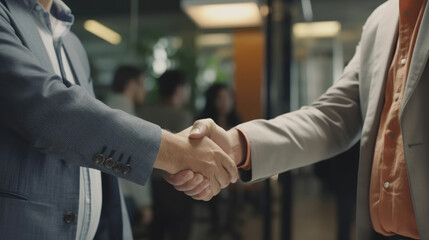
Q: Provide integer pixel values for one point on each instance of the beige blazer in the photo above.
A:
(350, 110)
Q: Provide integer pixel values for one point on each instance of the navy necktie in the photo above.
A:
(110, 226)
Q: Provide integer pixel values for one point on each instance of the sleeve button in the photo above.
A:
(126, 169)
(118, 166)
(69, 217)
(109, 163)
(98, 159)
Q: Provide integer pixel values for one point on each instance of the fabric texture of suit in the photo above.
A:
(48, 130)
(350, 110)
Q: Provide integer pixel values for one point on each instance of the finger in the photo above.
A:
(208, 197)
(201, 128)
(222, 178)
(227, 172)
(191, 184)
(231, 168)
(208, 128)
(205, 195)
(199, 189)
(179, 178)
(215, 185)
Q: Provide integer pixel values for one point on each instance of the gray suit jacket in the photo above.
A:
(48, 130)
(350, 110)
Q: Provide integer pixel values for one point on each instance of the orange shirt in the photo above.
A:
(391, 206)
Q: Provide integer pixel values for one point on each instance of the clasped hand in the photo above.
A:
(201, 160)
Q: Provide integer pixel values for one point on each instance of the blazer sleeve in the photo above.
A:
(69, 122)
(329, 126)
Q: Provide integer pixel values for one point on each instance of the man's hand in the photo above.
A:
(203, 157)
(231, 142)
(194, 185)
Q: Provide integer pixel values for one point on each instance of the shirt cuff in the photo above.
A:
(247, 163)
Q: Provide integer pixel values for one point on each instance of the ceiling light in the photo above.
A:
(102, 32)
(223, 14)
(316, 29)
(213, 39)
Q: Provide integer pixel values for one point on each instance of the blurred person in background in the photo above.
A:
(127, 92)
(169, 111)
(172, 209)
(127, 89)
(220, 106)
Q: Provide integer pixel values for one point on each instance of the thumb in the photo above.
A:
(201, 128)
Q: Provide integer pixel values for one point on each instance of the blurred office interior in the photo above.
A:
(276, 55)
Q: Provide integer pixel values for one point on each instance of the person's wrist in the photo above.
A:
(168, 152)
(238, 146)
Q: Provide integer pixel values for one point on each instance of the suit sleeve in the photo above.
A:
(68, 122)
(329, 126)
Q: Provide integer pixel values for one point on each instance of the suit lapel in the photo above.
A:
(75, 62)
(27, 29)
(383, 46)
(419, 58)
(385, 43)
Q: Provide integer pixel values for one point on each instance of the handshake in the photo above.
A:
(202, 159)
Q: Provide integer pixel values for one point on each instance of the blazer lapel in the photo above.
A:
(75, 63)
(384, 46)
(27, 29)
(419, 59)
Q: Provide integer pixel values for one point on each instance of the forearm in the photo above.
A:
(238, 146)
(84, 127)
(327, 127)
(297, 139)
(68, 122)
(170, 153)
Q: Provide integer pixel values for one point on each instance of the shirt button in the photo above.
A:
(38, 8)
(396, 96)
(88, 201)
(403, 61)
(386, 185)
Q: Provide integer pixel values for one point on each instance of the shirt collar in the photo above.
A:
(57, 22)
